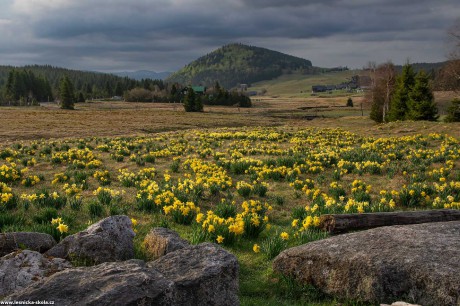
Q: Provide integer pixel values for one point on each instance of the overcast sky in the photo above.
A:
(165, 35)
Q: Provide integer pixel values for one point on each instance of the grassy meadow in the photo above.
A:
(297, 85)
(254, 180)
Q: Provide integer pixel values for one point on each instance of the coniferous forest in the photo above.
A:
(31, 84)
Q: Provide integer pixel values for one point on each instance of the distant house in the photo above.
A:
(319, 88)
(361, 82)
(199, 89)
(353, 86)
(323, 88)
(242, 87)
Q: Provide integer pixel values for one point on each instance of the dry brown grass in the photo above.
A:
(116, 119)
(129, 119)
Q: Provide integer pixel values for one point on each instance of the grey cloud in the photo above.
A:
(108, 35)
(287, 3)
(303, 22)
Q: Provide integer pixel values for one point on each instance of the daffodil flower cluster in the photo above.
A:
(7, 198)
(72, 190)
(107, 196)
(80, 158)
(60, 178)
(129, 179)
(214, 226)
(103, 177)
(30, 181)
(182, 213)
(10, 173)
(212, 177)
(44, 198)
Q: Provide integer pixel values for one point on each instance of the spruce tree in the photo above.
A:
(398, 105)
(453, 111)
(350, 102)
(81, 97)
(108, 90)
(189, 100)
(66, 93)
(377, 109)
(244, 101)
(174, 94)
(9, 91)
(192, 101)
(421, 105)
(119, 89)
(198, 104)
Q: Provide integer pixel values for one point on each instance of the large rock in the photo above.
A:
(20, 269)
(203, 274)
(417, 263)
(110, 239)
(160, 241)
(112, 283)
(40, 242)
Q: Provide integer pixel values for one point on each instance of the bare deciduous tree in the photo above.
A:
(448, 77)
(454, 40)
(382, 86)
(453, 66)
(387, 75)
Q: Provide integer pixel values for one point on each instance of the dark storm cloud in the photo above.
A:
(111, 35)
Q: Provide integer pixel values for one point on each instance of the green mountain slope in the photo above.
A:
(238, 63)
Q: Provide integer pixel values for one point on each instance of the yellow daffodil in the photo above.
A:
(284, 236)
(62, 228)
(56, 221)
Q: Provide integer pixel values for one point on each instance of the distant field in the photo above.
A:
(131, 119)
(299, 85)
(116, 119)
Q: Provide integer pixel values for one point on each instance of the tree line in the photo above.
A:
(405, 96)
(23, 87)
(33, 84)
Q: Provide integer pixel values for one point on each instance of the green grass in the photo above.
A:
(299, 85)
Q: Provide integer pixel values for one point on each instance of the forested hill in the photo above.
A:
(238, 63)
(427, 67)
(90, 84)
(144, 74)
